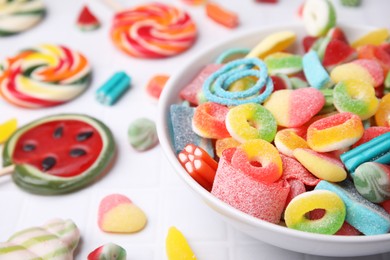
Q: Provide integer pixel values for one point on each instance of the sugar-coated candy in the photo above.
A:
(181, 130)
(365, 70)
(337, 52)
(209, 120)
(232, 54)
(153, 30)
(21, 15)
(353, 3)
(155, 85)
(199, 164)
(315, 73)
(322, 165)
(222, 15)
(274, 42)
(7, 129)
(110, 92)
(177, 247)
(108, 251)
(225, 143)
(367, 217)
(374, 37)
(259, 159)
(215, 87)
(118, 214)
(372, 181)
(375, 150)
(296, 210)
(250, 121)
(282, 62)
(246, 193)
(281, 81)
(57, 239)
(296, 187)
(370, 133)
(382, 116)
(355, 96)
(63, 75)
(142, 134)
(287, 140)
(376, 53)
(193, 91)
(60, 153)
(386, 205)
(318, 17)
(334, 132)
(87, 21)
(293, 108)
(292, 169)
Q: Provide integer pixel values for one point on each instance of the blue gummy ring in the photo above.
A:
(230, 52)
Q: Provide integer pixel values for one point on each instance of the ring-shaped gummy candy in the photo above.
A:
(233, 71)
(251, 121)
(231, 54)
(330, 223)
(355, 96)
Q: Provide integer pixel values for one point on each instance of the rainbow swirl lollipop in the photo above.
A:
(153, 31)
(20, 15)
(44, 76)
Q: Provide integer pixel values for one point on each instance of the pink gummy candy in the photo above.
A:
(241, 191)
(292, 169)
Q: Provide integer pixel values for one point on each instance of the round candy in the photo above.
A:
(59, 153)
(108, 251)
(250, 121)
(20, 15)
(284, 63)
(153, 30)
(355, 96)
(319, 16)
(296, 210)
(142, 134)
(44, 76)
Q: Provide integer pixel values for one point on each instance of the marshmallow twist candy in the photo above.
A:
(153, 31)
(17, 16)
(44, 76)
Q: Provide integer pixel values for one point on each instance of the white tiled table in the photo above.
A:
(146, 178)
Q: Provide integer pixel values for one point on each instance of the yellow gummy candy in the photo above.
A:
(273, 43)
(375, 37)
(177, 246)
(7, 129)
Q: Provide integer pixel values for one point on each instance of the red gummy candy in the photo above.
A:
(338, 52)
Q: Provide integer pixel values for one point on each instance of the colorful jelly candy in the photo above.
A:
(284, 63)
(249, 193)
(334, 132)
(60, 153)
(382, 116)
(173, 31)
(7, 129)
(63, 75)
(367, 217)
(113, 88)
(292, 169)
(250, 121)
(225, 143)
(315, 73)
(209, 120)
(319, 17)
(108, 251)
(142, 134)
(370, 133)
(374, 37)
(372, 181)
(274, 42)
(357, 97)
(87, 21)
(155, 86)
(199, 164)
(293, 108)
(296, 210)
(337, 52)
(287, 140)
(222, 15)
(57, 239)
(118, 214)
(177, 246)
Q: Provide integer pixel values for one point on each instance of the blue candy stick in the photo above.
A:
(113, 89)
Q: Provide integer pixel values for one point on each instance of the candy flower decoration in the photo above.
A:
(17, 16)
(59, 154)
(153, 30)
(44, 76)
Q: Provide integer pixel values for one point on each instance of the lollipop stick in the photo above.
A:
(7, 170)
(113, 4)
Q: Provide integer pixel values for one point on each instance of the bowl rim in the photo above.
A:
(211, 200)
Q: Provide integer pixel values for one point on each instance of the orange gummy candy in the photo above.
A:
(221, 15)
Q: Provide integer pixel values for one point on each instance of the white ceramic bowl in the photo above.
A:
(276, 235)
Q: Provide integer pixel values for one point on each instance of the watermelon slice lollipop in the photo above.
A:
(59, 154)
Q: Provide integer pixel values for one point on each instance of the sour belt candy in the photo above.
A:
(57, 239)
(153, 30)
(59, 153)
(17, 16)
(113, 88)
(44, 76)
